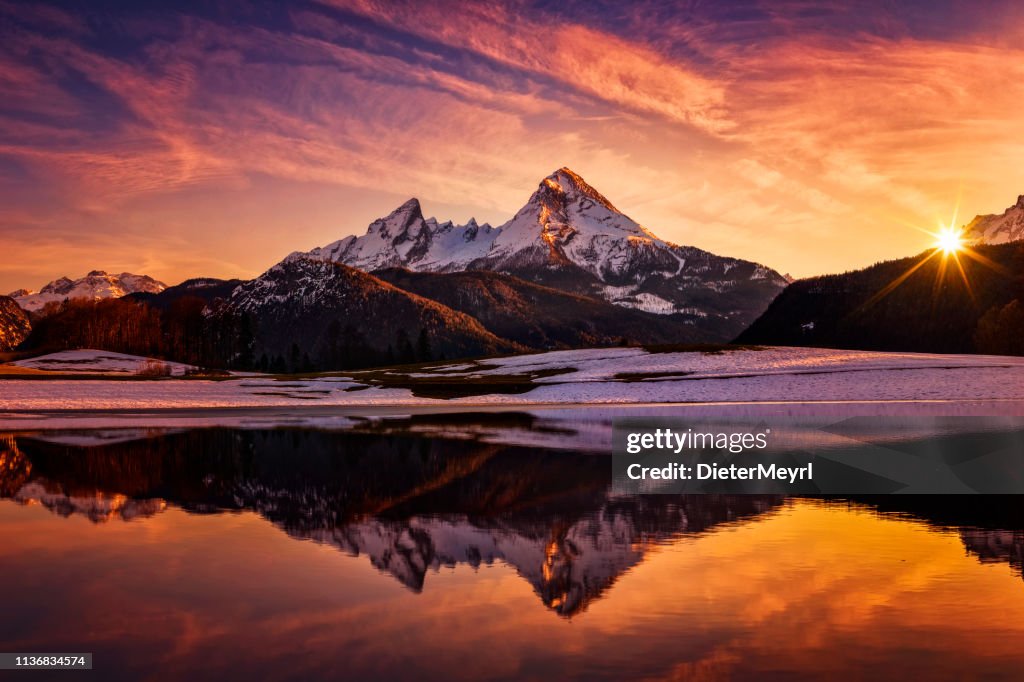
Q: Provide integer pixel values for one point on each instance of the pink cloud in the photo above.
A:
(735, 148)
(627, 74)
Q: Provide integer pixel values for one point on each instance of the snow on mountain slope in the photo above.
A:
(312, 304)
(94, 286)
(567, 219)
(998, 228)
(404, 238)
(570, 236)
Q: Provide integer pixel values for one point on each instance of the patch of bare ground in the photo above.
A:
(446, 387)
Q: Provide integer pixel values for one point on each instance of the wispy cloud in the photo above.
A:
(757, 129)
(600, 64)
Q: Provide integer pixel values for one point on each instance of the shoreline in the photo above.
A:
(343, 416)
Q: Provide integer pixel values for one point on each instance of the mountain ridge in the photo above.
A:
(571, 237)
(96, 285)
(916, 304)
(568, 270)
(335, 310)
(998, 228)
(537, 316)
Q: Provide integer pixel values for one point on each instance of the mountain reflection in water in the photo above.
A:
(409, 504)
(416, 507)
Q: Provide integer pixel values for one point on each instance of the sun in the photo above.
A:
(949, 240)
(951, 246)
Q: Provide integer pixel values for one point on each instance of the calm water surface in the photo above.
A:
(298, 554)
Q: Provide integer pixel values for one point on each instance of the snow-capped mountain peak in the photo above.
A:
(408, 216)
(570, 236)
(564, 209)
(404, 238)
(572, 185)
(998, 228)
(94, 286)
(63, 284)
(567, 220)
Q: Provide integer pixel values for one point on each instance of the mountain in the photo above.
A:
(914, 304)
(537, 316)
(996, 546)
(998, 229)
(405, 239)
(14, 324)
(206, 289)
(339, 316)
(408, 505)
(549, 515)
(570, 237)
(94, 286)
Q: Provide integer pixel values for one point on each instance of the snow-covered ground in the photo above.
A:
(620, 376)
(101, 362)
(604, 364)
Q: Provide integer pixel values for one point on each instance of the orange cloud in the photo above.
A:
(764, 136)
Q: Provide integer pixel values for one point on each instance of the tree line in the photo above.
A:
(188, 331)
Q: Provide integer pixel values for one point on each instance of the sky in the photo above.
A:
(213, 138)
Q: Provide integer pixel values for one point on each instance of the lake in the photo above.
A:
(426, 550)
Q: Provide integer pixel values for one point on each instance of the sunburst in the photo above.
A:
(949, 240)
(949, 243)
